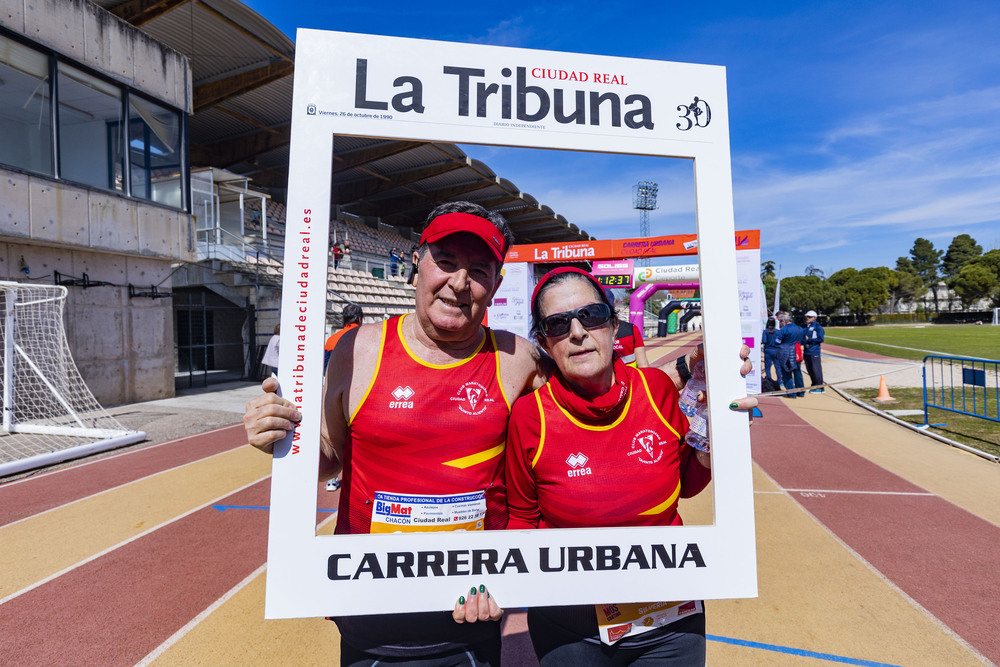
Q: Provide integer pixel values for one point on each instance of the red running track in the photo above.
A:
(940, 555)
(120, 606)
(32, 495)
(117, 608)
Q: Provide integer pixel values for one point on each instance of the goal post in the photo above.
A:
(49, 413)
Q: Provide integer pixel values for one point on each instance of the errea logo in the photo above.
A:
(402, 396)
(577, 465)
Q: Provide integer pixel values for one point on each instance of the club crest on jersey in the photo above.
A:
(647, 446)
(472, 398)
(402, 395)
(577, 465)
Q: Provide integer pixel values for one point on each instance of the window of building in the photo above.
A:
(25, 107)
(90, 130)
(92, 143)
(155, 152)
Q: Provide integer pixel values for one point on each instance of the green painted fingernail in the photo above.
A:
(734, 405)
(482, 588)
(487, 596)
(461, 599)
(473, 591)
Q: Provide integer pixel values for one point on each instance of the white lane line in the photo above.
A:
(190, 625)
(900, 347)
(785, 492)
(209, 610)
(72, 567)
(136, 450)
(885, 579)
(122, 486)
(865, 493)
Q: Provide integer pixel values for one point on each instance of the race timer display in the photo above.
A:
(616, 280)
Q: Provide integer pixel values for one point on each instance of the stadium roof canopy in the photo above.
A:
(242, 69)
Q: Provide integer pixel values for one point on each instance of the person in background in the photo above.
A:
(338, 252)
(353, 317)
(345, 258)
(413, 265)
(270, 357)
(813, 338)
(393, 262)
(630, 346)
(770, 346)
(791, 372)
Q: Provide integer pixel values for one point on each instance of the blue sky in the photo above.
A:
(855, 126)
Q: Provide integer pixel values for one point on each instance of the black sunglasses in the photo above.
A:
(592, 315)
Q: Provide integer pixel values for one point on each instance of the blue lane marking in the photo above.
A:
(797, 651)
(223, 508)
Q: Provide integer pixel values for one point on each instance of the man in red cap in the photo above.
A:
(421, 410)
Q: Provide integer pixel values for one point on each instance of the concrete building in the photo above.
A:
(144, 155)
(93, 183)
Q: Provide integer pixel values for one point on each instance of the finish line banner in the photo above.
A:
(422, 91)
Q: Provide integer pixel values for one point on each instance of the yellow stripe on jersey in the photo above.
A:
(666, 504)
(656, 408)
(378, 365)
(477, 458)
(496, 354)
(428, 364)
(541, 436)
(579, 423)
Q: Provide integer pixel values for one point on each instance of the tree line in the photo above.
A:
(964, 268)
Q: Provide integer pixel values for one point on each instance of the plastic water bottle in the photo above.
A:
(697, 413)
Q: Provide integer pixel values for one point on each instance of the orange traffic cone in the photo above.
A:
(883, 392)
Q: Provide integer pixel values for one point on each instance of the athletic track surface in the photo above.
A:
(876, 546)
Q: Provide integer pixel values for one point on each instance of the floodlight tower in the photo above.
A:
(644, 199)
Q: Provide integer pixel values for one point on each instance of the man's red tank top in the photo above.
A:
(425, 429)
(622, 473)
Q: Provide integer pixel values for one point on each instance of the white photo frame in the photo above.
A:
(411, 89)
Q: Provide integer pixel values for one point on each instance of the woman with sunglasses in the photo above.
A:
(579, 455)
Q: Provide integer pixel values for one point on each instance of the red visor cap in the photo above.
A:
(455, 223)
(555, 272)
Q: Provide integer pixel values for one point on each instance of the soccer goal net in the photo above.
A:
(49, 414)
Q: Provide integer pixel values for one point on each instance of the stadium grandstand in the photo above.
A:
(149, 175)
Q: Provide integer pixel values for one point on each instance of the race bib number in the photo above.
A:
(399, 513)
(616, 621)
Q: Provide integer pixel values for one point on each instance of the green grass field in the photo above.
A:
(915, 342)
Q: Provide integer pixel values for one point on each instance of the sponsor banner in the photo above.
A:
(753, 310)
(511, 310)
(613, 267)
(588, 251)
(683, 273)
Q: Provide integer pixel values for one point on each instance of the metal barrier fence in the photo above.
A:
(962, 385)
